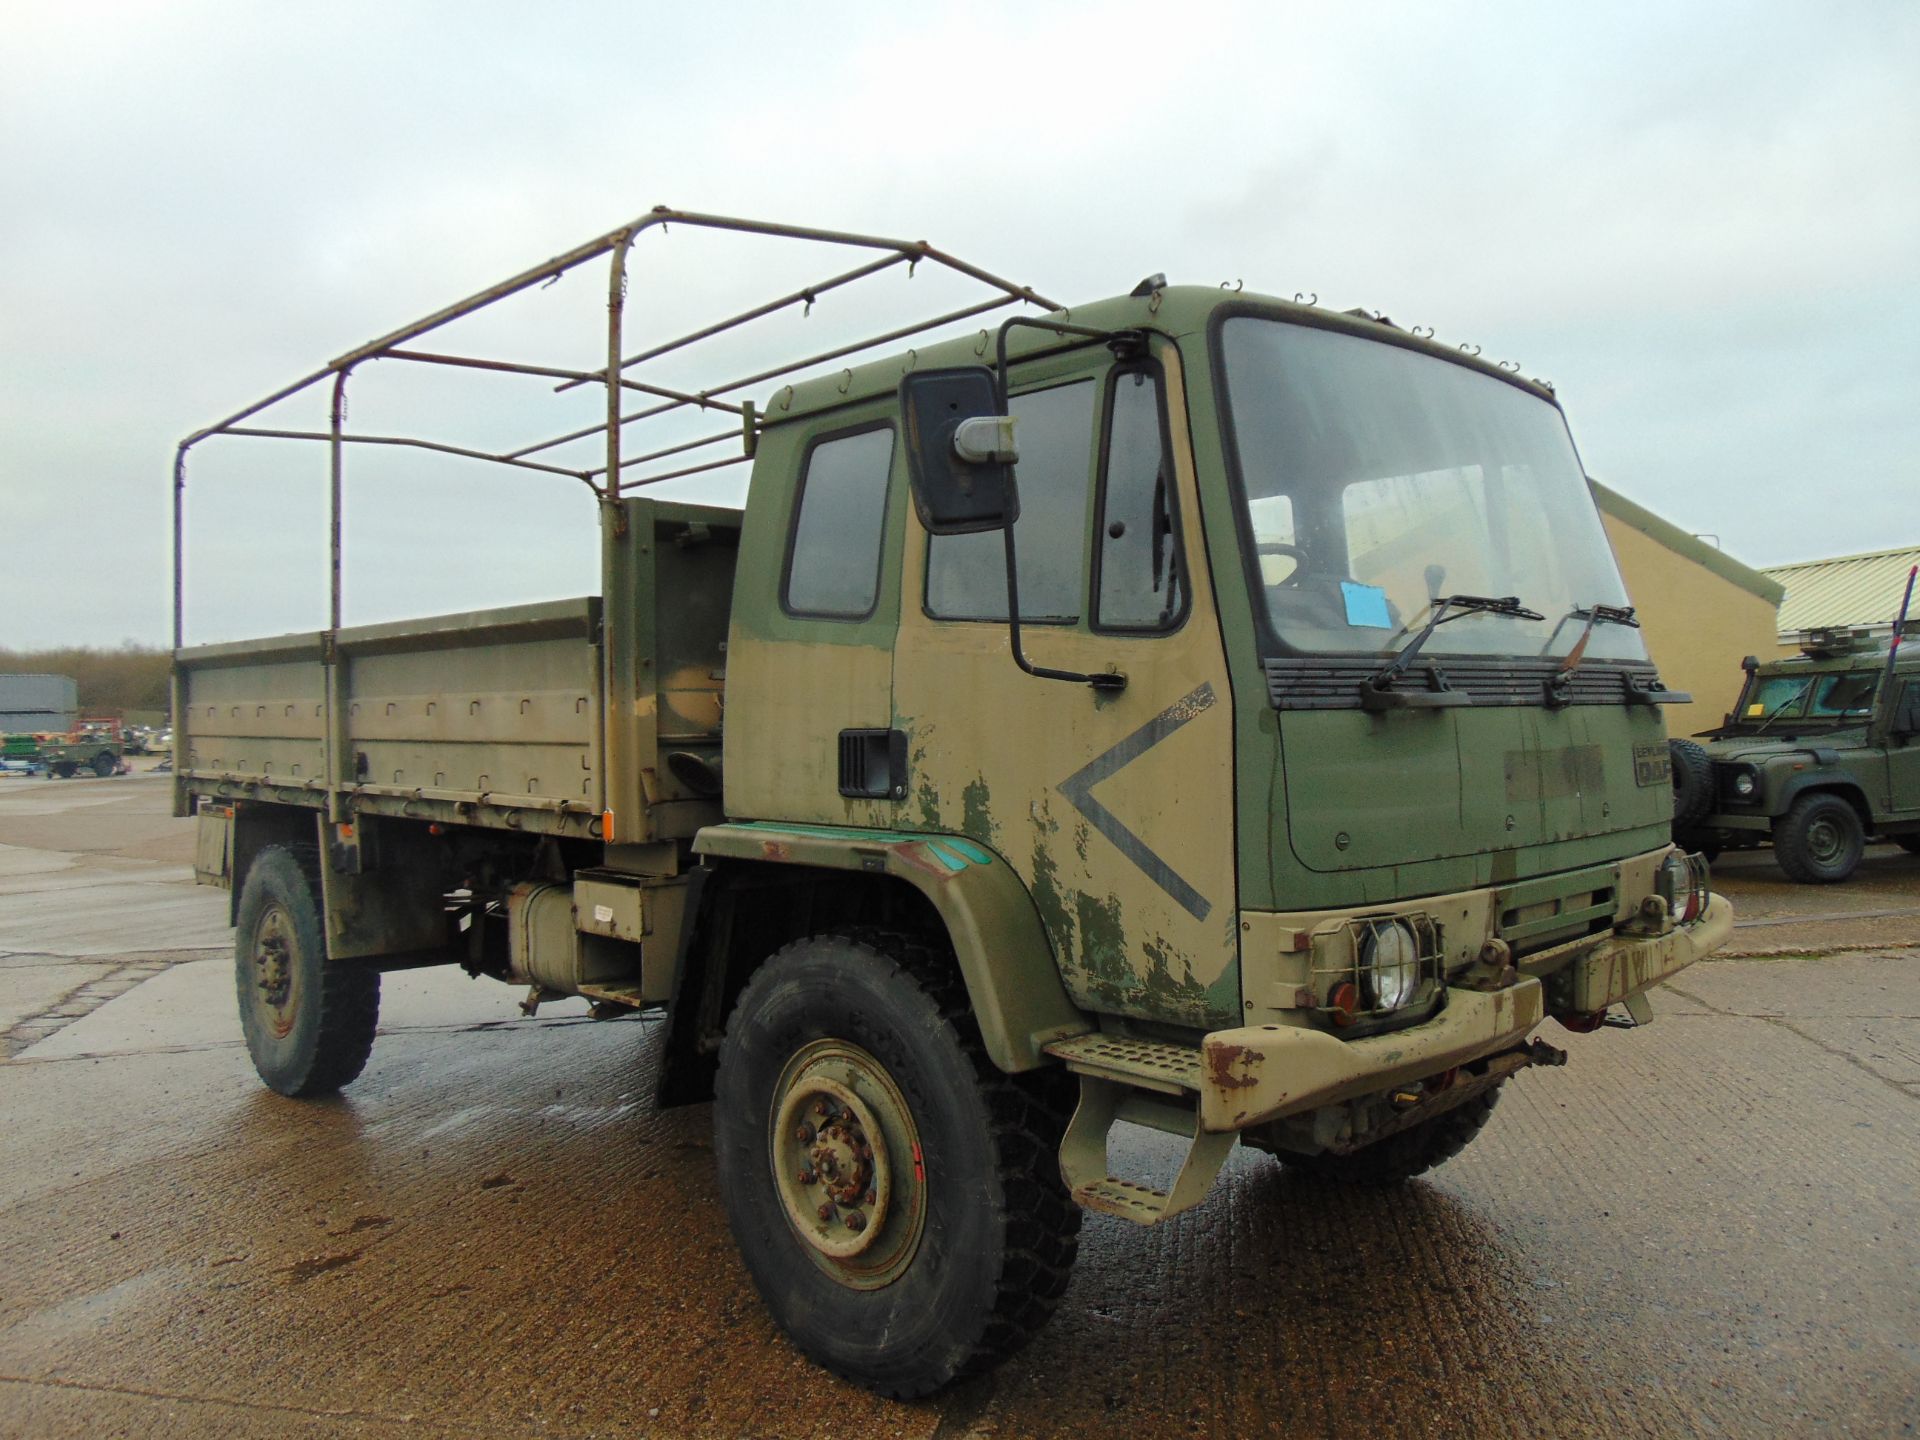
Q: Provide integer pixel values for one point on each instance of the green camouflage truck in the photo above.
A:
(94, 744)
(1317, 762)
(1821, 752)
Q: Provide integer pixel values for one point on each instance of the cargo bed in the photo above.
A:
(495, 718)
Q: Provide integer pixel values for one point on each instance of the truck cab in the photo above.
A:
(1245, 515)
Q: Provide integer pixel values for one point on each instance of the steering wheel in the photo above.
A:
(1280, 547)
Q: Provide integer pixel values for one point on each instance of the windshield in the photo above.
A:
(1377, 479)
(1847, 695)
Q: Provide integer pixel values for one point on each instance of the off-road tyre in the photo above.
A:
(1412, 1152)
(1692, 784)
(317, 1038)
(1820, 840)
(105, 764)
(997, 1232)
(63, 770)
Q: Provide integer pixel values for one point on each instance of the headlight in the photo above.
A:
(1390, 958)
(1744, 783)
(1682, 881)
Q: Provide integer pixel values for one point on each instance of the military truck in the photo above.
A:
(1191, 710)
(1820, 753)
(94, 743)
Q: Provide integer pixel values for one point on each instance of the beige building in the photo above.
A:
(1700, 610)
(1850, 592)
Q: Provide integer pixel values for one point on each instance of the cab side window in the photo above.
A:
(833, 561)
(1140, 585)
(967, 574)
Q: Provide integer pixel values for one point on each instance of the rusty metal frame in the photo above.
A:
(614, 243)
(608, 480)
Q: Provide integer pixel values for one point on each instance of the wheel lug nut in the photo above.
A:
(803, 1133)
(807, 1177)
(820, 1108)
(825, 1212)
(873, 1197)
(856, 1222)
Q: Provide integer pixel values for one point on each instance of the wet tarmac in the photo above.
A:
(1707, 1227)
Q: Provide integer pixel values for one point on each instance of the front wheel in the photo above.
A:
(104, 764)
(1820, 841)
(308, 1023)
(1412, 1152)
(896, 1198)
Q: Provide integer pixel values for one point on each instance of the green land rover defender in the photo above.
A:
(1821, 751)
(1189, 710)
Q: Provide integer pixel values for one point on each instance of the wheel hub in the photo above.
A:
(1823, 839)
(273, 970)
(846, 1162)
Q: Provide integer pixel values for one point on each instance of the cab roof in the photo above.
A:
(1175, 311)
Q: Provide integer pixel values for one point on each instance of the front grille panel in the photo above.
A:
(1334, 682)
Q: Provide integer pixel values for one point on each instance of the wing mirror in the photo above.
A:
(960, 451)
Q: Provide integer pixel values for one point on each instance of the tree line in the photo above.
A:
(129, 677)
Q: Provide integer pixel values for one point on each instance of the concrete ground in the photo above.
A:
(1709, 1227)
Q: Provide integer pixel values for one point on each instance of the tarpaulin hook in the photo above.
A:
(1470, 349)
(807, 309)
(1238, 285)
(1302, 298)
(1422, 332)
(1512, 367)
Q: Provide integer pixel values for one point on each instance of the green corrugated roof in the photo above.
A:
(1845, 590)
(1665, 532)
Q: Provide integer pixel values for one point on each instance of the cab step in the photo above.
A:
(1128, 1060)
(1144, 1082)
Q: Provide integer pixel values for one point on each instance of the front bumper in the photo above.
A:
(1262, 1072)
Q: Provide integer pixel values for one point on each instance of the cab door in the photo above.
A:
(1903, 750)
(809, 697)
(1115, 807)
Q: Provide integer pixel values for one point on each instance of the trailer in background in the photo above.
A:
(38, 704)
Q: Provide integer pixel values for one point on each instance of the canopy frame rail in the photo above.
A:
(610, 479)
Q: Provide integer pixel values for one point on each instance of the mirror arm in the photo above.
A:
(1126, 344)
(1110, 681)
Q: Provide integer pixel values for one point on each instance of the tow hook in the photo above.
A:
(1541, 1053)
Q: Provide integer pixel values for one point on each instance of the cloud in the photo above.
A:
(1699, 221)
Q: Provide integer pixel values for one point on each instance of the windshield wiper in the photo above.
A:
(1560, 684)
(1781, 708)
(1445, 608)
(1593, 615)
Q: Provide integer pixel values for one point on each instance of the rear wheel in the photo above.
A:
(1411, 1152)
(64, 770)
(308, 1022)
(104, 764)
(1820, 841)
(896, 1198)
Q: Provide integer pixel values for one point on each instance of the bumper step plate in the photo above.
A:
(1123, 1078)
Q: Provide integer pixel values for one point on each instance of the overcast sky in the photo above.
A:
(1702, 222)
